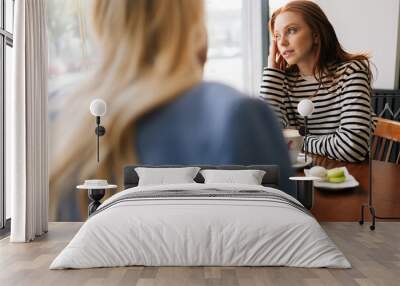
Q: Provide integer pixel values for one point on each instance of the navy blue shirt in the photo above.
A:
(214, 124)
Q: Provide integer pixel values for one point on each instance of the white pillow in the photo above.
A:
(248, 177)
(163, 176)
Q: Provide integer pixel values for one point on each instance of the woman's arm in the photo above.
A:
(272, 91)
(272, 86)
(350, 141)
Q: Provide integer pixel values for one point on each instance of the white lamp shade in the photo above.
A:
(98, 107)
(305, 107)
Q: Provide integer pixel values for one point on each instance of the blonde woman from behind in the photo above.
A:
(159, 109)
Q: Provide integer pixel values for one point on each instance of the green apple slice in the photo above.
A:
(335, 173)
(337, 179)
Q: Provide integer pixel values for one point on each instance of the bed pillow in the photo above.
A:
(163, 176)
(248, 177)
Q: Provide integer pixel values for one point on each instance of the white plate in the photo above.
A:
(93, 187)
(350, 182)
(301, 162)
(305, 178)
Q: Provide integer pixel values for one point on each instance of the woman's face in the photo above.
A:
(294, 39)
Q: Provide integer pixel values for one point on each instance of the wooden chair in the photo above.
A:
(386, 136)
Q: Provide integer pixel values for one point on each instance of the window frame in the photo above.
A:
(6, 39)
(265, 32)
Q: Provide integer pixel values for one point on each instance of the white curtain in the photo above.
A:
(252, 45)
(26, 124)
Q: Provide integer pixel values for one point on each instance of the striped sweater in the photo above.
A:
(339, 126)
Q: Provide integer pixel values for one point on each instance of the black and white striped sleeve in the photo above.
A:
(350, 141)
(272, 91)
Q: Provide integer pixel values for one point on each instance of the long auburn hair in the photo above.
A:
(329, 50)
(151, 52)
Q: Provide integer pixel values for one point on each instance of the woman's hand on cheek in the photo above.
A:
(274, 56)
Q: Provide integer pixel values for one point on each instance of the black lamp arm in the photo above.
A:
(100, 131)
(305, 139)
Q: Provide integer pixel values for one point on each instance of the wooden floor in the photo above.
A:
(374, 255)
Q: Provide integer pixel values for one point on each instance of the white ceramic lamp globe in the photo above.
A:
(305, 107)
(98, 107)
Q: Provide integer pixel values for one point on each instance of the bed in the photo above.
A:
(203, 223)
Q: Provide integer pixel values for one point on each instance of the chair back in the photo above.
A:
(386, 136)
(386, 103)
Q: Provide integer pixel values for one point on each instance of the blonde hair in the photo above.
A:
(150, 54)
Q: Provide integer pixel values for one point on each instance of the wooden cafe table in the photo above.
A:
(345, 205)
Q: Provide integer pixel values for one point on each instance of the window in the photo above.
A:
(70, 56)
(236, 32)
(230, 55)
(6, 44)
(225, 56)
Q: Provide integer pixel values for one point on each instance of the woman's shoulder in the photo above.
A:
(352, 66)
(224, 98)
(214, 87)
(216, 92)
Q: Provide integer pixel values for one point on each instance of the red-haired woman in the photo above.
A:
(306, 61)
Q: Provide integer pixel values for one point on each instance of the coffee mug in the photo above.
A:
(294, 142)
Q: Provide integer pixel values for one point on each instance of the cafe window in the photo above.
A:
(225, 56)
(235, 35)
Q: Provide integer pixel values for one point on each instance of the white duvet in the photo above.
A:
(200, 231)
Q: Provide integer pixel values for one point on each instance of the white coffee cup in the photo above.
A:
(294, 142)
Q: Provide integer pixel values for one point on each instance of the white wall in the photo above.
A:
(370, 26)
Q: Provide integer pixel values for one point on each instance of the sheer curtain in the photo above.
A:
(26, 119)
(252, 45)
